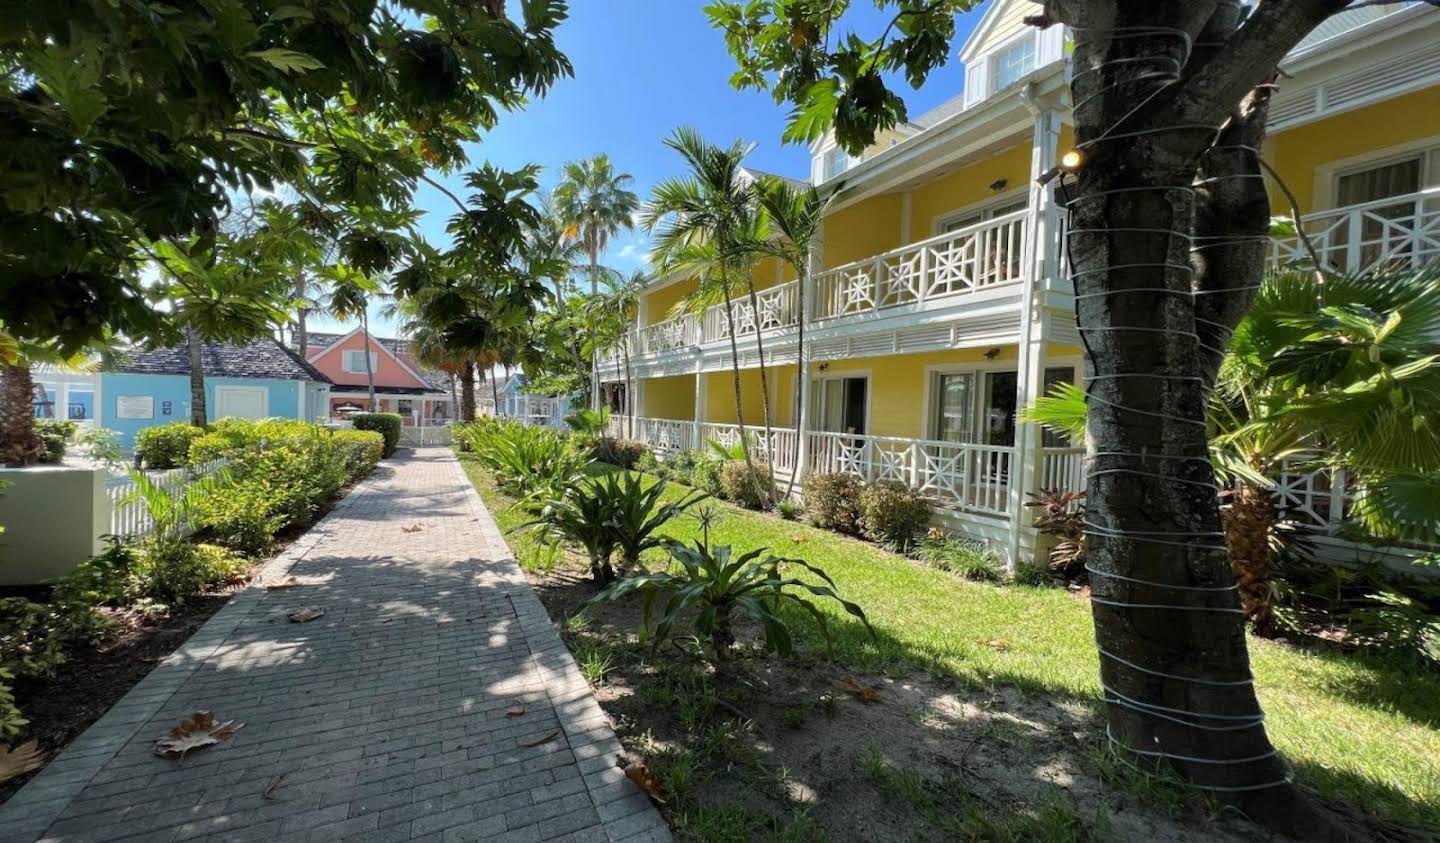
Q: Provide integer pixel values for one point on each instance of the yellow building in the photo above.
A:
(940, 306)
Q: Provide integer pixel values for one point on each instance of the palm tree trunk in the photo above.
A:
(764, 390)
(198, 415)
(17, 417)
(802, 370)
(629, 392)
(594, 352)
(369, 370)
(467, 391)
(1248, 522)
(454, 395)
(735, 369)
(494, 391)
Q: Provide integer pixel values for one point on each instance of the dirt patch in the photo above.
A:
(800, 749)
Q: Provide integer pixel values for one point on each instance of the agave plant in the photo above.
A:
(716, 585)
(639, 511)
(582, 514)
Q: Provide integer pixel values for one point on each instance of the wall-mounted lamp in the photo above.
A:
(824, 367)
(999, 185)
(992, 354)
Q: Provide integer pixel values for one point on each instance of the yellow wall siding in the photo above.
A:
(898, 384)
(659, 303)
(884, 140)
(967, 186)
(720, 396)
(1010, 23)
(863, 230)
(669, 398)
(1298, 153)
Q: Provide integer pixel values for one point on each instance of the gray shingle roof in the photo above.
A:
(262, 358)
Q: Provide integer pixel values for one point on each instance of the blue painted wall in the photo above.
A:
(283, 399)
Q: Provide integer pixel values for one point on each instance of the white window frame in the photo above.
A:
(835, 149)
(817, 389)
(995, 56)
(345, 361)
(985, 208)
(977, 401)
(1327, 176)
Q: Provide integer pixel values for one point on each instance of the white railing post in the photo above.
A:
(1354, 227)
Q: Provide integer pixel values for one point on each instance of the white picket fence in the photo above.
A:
(128, 516)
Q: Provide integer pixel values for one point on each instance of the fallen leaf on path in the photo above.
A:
(307, 614)
(640, 774)
(864, 693)
(269, 791)
(282, 585)
(546, 739)
(516, 710)
(999, 644)
(200, 730)
(19, 760)
(413, 528)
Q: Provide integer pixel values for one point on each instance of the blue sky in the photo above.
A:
(642, 68)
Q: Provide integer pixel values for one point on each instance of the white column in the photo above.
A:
(1042, 266)
(698, 423)
(62, 400)
(803, 355)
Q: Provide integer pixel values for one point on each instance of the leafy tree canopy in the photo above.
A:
(141, 120)
(796, 50)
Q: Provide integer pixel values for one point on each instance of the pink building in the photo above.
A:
(402, 385)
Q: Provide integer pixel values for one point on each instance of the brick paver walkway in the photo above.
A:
(393, 717)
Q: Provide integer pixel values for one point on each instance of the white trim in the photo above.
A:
(982, 30)
(816, 375)
(992, 60)
(1327, 175)
(1009, 197)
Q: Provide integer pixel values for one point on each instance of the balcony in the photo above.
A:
(941, 270)
(1398, 232)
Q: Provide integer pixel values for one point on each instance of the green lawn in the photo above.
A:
(1363, 728)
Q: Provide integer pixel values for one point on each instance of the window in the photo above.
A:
(837, 161)
(1013, 62)
(839, 404)
(970, 218)
(953, 402)
(1394, 179)
(1375, 183)
(354, 361)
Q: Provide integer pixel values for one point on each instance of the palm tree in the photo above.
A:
(350, 294)
(796, 218)
(701, 219)
(595, 203)
(612, 315)
(1346, 384)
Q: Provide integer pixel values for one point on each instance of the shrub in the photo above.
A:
(171, 573)
(55, 434)
(360, 450)
(966, 558)
(1061, 515)
(622, 453)
(705, 473)
(638, 512)
(741, 485)
(650, 463)
(789, 509)
(34, 637)
(386, 424)
(532, 463)
(1028, 573)
(166, 445)
(681, 467)
(11, 720)
(833, 502)
(893, 514)
(581, 513)
(713, 585)
(109, 578)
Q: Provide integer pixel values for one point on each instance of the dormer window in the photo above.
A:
(1013, 62)
(837, 161)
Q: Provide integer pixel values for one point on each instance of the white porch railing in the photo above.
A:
(1398, 232)
(129, 517)
(778, 307)
(1063, 469)
(669, 335)
(778, 450)
(974, 478)
(966, 260)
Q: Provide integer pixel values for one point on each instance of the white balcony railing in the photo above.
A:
(669, 335)
(966, 260)
(778, 307)
(975, 478)
(1398, 232)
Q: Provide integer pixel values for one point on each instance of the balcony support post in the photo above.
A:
(699, 416)
(1041, 264)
